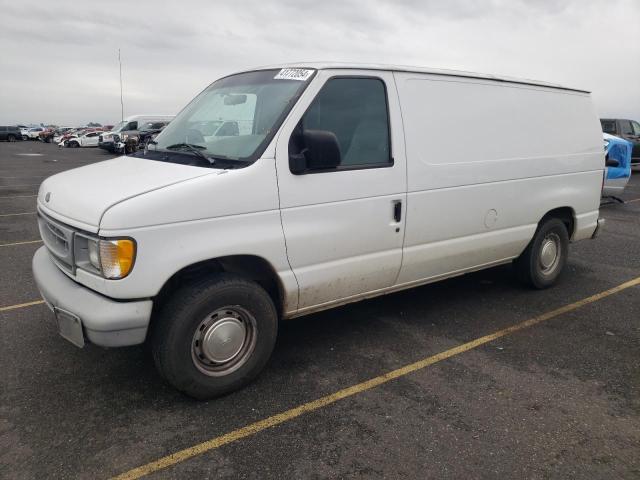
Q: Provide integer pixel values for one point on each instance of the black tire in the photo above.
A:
(179, 324)
(534, 266)
(24, 137)
(73, 144)
(11, 138)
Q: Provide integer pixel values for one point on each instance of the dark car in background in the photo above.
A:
(10, 133)
(149, 130)
(627, 129)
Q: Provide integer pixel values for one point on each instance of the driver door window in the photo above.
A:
(355, 111)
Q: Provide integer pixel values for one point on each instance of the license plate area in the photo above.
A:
(69, 326)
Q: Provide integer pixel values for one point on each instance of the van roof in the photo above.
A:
(430, 71)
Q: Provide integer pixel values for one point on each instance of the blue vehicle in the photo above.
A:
(617, 165)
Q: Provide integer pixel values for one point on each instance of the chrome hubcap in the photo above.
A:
(223, 341)
(549, 253)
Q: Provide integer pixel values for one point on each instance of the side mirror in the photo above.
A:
(321, 151)
(610, 162)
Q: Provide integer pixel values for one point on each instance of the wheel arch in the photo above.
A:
(566, 214)
(251, 267)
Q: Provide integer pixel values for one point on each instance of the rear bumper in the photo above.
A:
(105, 322)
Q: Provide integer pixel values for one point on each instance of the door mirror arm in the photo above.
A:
(298, 162)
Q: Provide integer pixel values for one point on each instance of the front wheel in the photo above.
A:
(215, 336)
(544, 259)
(11, 138)
(73, 144)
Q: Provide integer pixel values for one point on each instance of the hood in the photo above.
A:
(81, 196)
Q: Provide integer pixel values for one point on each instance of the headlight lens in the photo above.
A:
(94, 256)
(116, 257)
(112, 258)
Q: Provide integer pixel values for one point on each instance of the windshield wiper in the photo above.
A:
(195, 149)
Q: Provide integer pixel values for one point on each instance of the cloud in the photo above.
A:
(59, 63)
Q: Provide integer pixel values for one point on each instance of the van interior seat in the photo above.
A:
(369, 144)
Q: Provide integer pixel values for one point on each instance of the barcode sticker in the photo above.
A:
(301, 74)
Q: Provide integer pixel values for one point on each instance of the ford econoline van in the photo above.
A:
(333, 183)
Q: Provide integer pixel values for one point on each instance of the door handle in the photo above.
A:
(397, 210)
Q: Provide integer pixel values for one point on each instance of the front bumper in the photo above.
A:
(105, 322)
(108, 146)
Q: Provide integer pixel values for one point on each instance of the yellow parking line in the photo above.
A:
(21, 305)
(16, 214)
(19, 243)
(254, 428)
(20, 196)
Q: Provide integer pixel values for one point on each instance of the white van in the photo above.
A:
(336, 183)
(128, 126)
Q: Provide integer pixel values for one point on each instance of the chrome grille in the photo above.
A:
(58, 239)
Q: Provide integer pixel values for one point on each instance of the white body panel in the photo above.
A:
(477, 164)
(486, 161)
(102, 185)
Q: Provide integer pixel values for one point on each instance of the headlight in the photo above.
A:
(111, 258)
(94, 255)
(116, 257)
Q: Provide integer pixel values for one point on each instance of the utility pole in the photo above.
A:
(121, 101)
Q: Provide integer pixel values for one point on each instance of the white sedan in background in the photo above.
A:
(34, 133)
(85, 140)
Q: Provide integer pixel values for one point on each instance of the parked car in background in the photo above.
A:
(23, 131)
(59, 133)
(47, 135)
(149, 130)
(617, 165)
(34, 133)
(10, 133)
(129, 126)
(627, 129)
(86, 139)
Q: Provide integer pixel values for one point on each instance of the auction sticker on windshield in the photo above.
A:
(301, 74)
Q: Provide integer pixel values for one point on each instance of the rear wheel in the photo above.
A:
(11, 138)
(544, 259)
(215, 336)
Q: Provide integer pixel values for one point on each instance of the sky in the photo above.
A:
(59, 60)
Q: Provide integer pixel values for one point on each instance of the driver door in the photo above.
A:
(344, 225)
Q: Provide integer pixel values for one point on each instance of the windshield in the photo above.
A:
(235, 117)
(119, 126)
